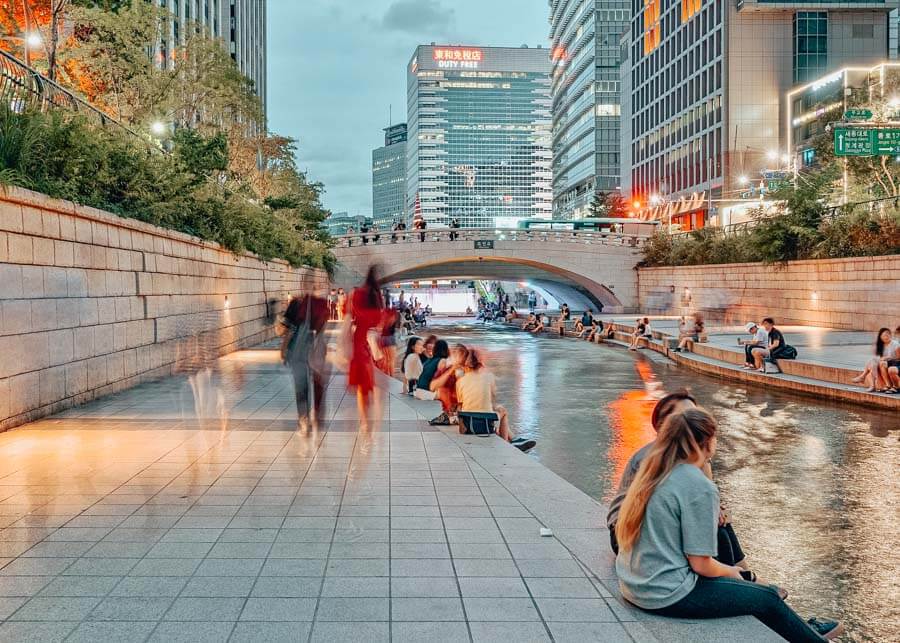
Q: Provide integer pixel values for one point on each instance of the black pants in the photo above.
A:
(724, 597)
(730, 552)
(748, 353)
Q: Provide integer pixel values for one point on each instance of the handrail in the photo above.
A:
(472, 235)
(23, 87)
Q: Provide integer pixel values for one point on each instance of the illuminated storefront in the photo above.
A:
(478, 147)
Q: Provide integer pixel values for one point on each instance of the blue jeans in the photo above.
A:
(724, 597)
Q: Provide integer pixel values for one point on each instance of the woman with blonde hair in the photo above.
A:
(666, 532)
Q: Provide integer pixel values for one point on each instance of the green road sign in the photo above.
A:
(853, 141)
(887, 141)
(858, 114)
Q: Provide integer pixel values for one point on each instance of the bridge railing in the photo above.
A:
(487, 236)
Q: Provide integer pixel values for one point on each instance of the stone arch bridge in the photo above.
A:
(582, 268)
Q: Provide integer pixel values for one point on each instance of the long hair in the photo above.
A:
(411, 346)
(372, 284)
(681, 438)
(441, 349)
(667, 404)
(879, 343)
(473, 360)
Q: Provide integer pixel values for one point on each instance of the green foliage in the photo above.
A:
(608, 204)
(802, 227)
(191, 190)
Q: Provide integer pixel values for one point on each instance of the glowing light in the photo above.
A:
(158, 128)
(637, 205)
(34, 40)
(772, 155)
(894, 101)
(655, 199)
(743, 180)
(227, 303)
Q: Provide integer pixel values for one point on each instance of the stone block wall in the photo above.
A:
(92, 303)
(857, 293)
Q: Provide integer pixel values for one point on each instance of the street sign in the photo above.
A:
(853, 141)
(865, 141)
(858, 115)
(484, 244)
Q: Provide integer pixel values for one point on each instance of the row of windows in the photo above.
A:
(688, 172)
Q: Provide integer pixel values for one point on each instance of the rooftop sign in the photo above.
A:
(457, 57)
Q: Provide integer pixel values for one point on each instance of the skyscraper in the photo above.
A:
(707, 81)
(389, 178)
(479, 134)
(584, 37)
(240, 24)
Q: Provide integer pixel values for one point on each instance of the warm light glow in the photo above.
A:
(815, 296)
(34, 40)
(227, 303)
(772, 155)
(637, 205)
(652, 29)
(894, 101)
(158, 128)
(743, 180)
(655, 199)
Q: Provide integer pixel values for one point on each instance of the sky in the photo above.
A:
(335, 67)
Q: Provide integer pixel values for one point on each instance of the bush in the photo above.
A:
(65, 156)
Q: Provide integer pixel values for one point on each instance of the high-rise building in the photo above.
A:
(389, 178)
(240, 24)
(707, 81)
(585, 86)
(479, 135)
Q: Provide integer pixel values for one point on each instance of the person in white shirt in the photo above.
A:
(760, 338)
(412, 363)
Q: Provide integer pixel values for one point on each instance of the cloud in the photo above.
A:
(416, 16)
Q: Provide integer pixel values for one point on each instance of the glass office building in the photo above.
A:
(707, 79)
(389, 178)
(585, 87)
(479, 135)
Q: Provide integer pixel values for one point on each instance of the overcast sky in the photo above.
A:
(336, 65)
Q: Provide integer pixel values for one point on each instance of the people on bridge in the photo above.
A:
(667, 535)
(454, 226)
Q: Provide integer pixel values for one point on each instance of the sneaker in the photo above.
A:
(442, 420)
(525, 445)
(826, 628)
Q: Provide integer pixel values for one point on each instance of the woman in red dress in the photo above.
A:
(367, 308)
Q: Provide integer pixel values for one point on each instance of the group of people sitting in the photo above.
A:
(767, 343)
(882, 372)
(456, 377)
(677, 553)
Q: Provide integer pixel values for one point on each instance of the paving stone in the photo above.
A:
(426, 609)
(290, 586)
(122, 608)
(293, 632)
(54, 608)
(504, 632)
(205, 609)
(93, 631)
(279, 609)
(438, 587)
(219, 586)
(493, 587)
(356, 587)
(199, 632)
(501, 609)
(423, 632)
(361, 632)
(32, 632)
(586, 610)
(581, 632)
(561, 588)
(353, 609)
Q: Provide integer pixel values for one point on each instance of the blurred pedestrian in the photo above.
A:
(303, 349)
(367, 309)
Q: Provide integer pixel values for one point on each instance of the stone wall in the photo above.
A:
(857, 293)
(92, 303)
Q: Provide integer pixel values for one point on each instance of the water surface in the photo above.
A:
(813, 487)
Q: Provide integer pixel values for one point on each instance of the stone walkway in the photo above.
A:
(132, 519)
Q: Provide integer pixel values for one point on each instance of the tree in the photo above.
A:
(608, 205)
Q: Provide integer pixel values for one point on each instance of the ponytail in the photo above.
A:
(682, 438)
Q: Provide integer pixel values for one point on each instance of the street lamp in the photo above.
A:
(159, 128)
(743, 180)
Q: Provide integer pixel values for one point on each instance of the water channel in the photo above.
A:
(813, 487)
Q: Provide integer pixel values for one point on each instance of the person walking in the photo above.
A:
(367, 308)
(666, 532)
(303, 350)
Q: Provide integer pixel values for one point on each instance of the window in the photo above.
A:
(810, 31)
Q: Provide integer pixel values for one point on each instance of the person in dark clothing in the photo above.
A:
(303, 350)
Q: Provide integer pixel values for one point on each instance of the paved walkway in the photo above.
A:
(132, 519)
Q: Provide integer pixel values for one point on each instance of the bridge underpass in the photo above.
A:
(580, 268)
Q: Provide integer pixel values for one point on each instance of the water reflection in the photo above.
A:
(812, 486)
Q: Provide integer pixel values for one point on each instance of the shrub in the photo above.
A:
(189, 190)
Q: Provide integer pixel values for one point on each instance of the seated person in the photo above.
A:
(412, 363)
(666, 532)
(543, 322)
(760, 338)
(692, 333)
(637, 335)
(595, 334)
(511, 314)
(565, 313)
(776, 341)
(561, 326)
(531, 322)
(435, 355)
(877, 376)
(584, 322)
(443, 385)
(476, 391)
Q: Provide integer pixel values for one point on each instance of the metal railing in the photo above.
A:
(22, 87)
(488, 236)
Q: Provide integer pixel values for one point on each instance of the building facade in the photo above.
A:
(707, 81)
(389, 178)
(479, 135)
(338, 223)
(240, 24)
(586, 94)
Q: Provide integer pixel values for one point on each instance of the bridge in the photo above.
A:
(582, 268)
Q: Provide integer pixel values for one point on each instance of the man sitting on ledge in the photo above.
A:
(760, 338)
(776, 343)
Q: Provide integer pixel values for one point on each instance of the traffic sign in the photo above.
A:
(853, 141)
(858, 114)
(867, 141)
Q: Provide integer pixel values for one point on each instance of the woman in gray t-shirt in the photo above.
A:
(666, 532)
